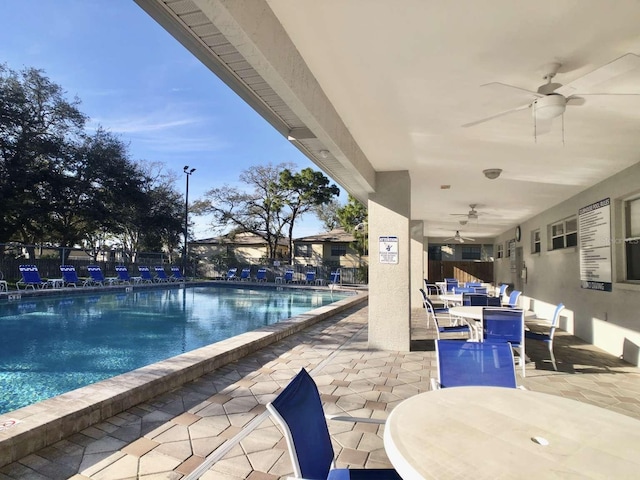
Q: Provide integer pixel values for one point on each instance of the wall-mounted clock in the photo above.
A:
(518, 233)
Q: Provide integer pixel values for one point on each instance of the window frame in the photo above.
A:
(307, 247)
(569, 236)
(499, 250)
(536, 243)
(631, 242)
(342, 248)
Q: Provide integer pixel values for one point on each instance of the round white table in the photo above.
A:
(493, 432)
(474, 313)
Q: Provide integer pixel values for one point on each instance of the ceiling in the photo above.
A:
(364, 86)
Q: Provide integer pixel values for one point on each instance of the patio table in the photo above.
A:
(495, 432)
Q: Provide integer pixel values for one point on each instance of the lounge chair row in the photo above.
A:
(287, 277)
(31, 277)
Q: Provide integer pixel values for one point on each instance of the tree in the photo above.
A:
(353, 218)
(301, 192)
(37, 126)
(257, 211)
(328, 214)
(276, 200)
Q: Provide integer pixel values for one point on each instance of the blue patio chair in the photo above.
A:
(70, 276)
(124, 277)
(231, 274)
(482, 290)
(311, 277)
(473, 284)
(474, 300)
(288, 276)
(298, 411)
(547, 338)
(502, 290)
(245, 274)
(438, 315)
(261, 275)
(462, 290)
(450, 283)
(505, 325)
(494, 302)
(176, 274)
(145, 274)
(462, 364)
(30, 278)
(513, 299)
(161, 275)
(97, 277)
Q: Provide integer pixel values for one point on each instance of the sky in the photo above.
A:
(136, 81)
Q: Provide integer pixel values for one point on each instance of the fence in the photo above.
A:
(462, 271)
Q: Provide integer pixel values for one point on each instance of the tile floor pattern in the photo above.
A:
(171, 436)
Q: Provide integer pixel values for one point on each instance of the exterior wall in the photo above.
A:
(609, 320)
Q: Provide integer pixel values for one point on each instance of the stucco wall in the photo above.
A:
(609, 320)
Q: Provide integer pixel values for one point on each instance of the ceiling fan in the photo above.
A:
(459, 238)
(471, 214)
(551, 99)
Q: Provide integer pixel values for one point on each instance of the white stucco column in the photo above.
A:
(390, 283)
(417, 262)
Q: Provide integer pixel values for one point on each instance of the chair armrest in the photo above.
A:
(348, 418)
(435, 384)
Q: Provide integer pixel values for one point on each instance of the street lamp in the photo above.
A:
(188, 173)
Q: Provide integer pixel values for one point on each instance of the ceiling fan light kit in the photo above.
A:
(551, 106)
(492, 173)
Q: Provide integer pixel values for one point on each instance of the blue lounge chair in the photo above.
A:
(311, 277)
(261, 275)
(70, 276)
(124, 277)
(547, 338)
(462, 364)
(30, 278)
(298, 411)
(145, 274)
(97, 278)
(231, 274)
(176, 275)
(161, 275)
(245, 274)
(288, 276)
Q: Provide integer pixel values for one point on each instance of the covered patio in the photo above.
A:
(216, 428)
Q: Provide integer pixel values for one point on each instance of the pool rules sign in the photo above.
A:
(388, 249)
(594, 226)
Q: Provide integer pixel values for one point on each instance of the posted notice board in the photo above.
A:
(594, 237)
(388, 249)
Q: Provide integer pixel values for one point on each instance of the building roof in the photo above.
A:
(238, 239)
(335, 235)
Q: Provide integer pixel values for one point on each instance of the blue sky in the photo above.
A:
(138, 82)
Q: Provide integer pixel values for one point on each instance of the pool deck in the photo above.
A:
(216, 428)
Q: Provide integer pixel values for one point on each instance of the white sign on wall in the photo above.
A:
(388, 249)
(594, 226)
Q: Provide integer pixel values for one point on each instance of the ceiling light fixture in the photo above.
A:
(492, 173)
(324, 153)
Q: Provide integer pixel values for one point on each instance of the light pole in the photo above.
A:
(188, 173)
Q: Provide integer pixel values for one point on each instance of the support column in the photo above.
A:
(390, 283)
(417, 262)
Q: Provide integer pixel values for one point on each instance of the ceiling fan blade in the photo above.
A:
(617, 67)
(502, 86)
(501, 114)
(577, 101)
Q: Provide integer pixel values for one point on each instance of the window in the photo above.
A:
(471, 252)
(338, 250)
(499, 251)
(564, 234)
(535, 241)
(632, 238)
(303, 251)
(434, 252)
(511, 244)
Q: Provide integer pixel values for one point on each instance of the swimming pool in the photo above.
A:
(51, 345)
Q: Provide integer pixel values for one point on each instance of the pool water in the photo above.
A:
(51, 345)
